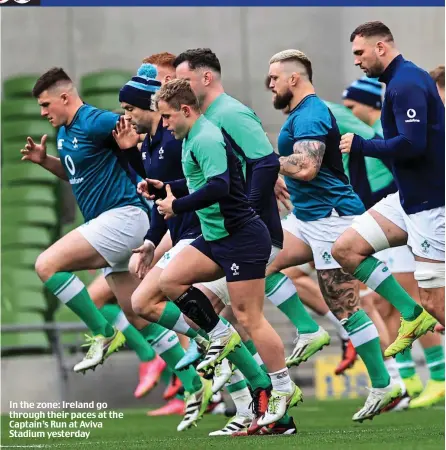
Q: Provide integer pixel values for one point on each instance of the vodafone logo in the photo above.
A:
(411, 114)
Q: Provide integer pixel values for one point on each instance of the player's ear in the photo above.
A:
(294, 78)
(380, 48)
(207, 77)
(64, 98)
(185, 110)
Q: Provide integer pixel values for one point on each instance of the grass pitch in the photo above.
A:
(320, 426)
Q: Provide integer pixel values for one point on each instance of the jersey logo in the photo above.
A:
(70, 164)
(326, 257)
(235, 269)
(411, 114)
(425, 245)
(60, 144)
(74, 142)
(144, 156)
(161, 153)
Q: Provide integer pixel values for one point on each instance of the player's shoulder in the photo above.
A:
(312, 110)
(410, 76)
(96, 122)
(232, 110)
(205, 135)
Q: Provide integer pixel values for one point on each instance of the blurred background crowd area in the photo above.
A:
(101, 48)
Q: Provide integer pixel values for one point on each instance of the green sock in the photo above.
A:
(242, 358)
(365, 339)
(252, 349)
(173, 319)
(166, 375)
(435, 361)
(71, 291)
(377, 276)
(134, 339)
(281, 292)
(247, 365)
(406, 365)
(165, 343)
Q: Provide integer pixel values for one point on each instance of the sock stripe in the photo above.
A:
(64, 285)
(276, 287)
(258, 359)
(361, 327)
(167, 341)
(380, 274)
(363, 336)
(286, 291)
(406, 365)
(435, 363)
(181, 325)
(71, 290)
(121, 322)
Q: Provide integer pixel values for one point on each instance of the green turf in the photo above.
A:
(321, 425)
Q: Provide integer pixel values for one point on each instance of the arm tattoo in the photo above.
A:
(305, 162)
(340, 291)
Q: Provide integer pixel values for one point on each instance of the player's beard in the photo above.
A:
(282, 101)
(376, 70)
(142, 129)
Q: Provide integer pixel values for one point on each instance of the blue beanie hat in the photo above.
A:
(367, 91)
(140, 90)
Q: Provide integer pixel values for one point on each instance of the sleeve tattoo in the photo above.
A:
(305, 162)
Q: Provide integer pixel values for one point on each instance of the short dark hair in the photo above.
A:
(372, 29)
(49, 79)
(438, 75)
(198, 58)
(177, 92)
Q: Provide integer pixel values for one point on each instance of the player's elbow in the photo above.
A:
(219, 187)
(307, 174)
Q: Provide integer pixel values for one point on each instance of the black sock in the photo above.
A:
(195, 305)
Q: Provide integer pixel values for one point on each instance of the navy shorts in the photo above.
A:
(243, 255)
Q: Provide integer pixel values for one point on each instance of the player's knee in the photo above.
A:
(140, 305)
(44, 267)
(246, 318)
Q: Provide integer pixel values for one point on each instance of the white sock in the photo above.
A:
(242, 400)
(219, 330)
(392, 368)
(281, 380)
(339, 328)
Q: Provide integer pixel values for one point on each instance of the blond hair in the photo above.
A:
(294, 56)
(177, 92)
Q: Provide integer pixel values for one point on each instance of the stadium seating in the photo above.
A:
(109, 102)
(104, 82)
(19, 109)
(19, 86)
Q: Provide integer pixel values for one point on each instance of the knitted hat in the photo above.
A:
(367, 91)
(140, 90)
